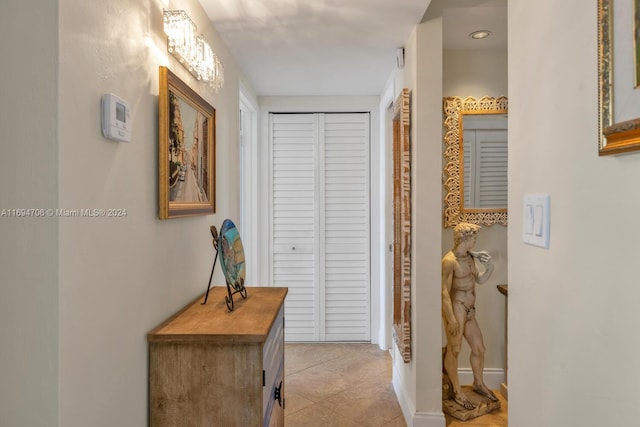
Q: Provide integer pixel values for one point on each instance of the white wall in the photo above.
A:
(426, 179)
(83, 292)
(419, 383)
(481, 73)
(28, 253)
(122, 276)
(573, 335)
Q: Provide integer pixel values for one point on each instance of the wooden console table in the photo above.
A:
(212, 367)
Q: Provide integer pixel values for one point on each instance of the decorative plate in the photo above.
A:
(232, 255)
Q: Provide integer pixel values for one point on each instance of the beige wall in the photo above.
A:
(427, 210)
(28, 253)
(121, 277)
(475, 73)
(85, 291)
(481, 73)
(573, 336)
(418, 383)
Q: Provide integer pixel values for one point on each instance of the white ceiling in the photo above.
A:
(336, 47)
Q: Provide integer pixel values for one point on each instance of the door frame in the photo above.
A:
(249, 201)
(329, 104)
(385, 223)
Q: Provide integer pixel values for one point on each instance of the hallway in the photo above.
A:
(349, 385)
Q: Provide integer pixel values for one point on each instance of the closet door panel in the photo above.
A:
(345, 227)
(294, 221)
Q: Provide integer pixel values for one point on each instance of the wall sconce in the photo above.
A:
(191, 49)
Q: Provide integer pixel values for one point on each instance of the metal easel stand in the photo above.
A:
(214, 234)
(238, 288)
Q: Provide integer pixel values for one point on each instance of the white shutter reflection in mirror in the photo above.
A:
(468, 153)
(485, 155)
(492, 170)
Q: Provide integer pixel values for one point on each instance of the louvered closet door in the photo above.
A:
(320, 224)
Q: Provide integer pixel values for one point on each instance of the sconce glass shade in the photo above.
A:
(191, 49)
(181, 32)
(207, 65)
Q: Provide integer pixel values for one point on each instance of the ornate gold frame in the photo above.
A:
(454, 109)
(402, 224)
(613, 137)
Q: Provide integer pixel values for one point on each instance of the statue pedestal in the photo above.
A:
(483, 406)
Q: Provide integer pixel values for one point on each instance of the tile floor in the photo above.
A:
(349, 385)
(339, 385)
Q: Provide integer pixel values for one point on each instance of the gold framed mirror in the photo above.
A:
(402, 225)
(616, 136)
(475, 177)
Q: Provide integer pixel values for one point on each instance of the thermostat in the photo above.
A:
(116, 118)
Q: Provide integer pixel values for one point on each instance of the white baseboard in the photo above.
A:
(413, 418)
(493, 377)
(504, 390)
(405, 404)
(429, 419)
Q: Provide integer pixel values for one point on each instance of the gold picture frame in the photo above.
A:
(636, 41)
(186, 150)
(614, 137)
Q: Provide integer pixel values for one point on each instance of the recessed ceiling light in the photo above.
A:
(481, 34)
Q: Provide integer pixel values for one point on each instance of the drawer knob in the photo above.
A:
(277, 394)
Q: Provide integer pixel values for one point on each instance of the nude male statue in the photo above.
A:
(459, 278)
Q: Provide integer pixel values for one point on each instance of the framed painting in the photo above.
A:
(186, 150)
(618, 68)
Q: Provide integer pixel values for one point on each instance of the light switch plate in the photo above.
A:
(536, 223)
